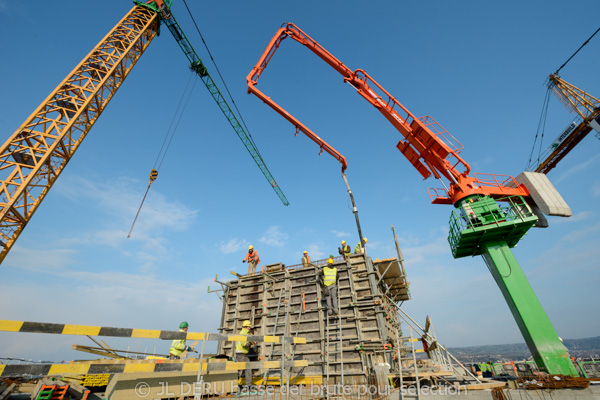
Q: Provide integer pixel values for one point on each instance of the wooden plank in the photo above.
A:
(7, 392)
(487, 384)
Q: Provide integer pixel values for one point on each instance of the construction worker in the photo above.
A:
(253, 260)
(345, 250)
(329, 273)
(242, 350)
(360, 246)
(179, 346)
(305, 260)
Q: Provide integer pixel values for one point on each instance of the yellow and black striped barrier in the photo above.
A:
(67, 329)
(130, 366)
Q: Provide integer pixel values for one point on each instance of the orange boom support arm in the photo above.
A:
(426, 145)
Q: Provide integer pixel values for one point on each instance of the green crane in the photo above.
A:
(196, 65)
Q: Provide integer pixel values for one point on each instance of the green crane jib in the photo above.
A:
(196, 65)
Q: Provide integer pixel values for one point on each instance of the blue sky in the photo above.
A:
(477, 67)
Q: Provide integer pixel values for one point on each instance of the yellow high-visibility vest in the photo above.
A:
(330, 274)
(346, 250)
(240, 347)
(178, 346)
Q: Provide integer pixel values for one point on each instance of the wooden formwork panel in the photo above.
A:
(299, 296)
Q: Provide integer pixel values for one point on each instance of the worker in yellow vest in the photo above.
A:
(179, 346)
(330, 276)
(241, 353)
(306, 260)
(345, 250)
(360, 248)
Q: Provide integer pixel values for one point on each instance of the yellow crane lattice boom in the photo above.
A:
(586, 106)
(574, 99)
(34, 156)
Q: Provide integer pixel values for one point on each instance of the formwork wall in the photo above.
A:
(292, 298)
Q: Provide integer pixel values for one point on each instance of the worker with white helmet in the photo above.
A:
(242, 350)
(345, 250)
(253, 260)
(360, 247)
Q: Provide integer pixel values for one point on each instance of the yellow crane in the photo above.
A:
(587, 108)
(34, 156)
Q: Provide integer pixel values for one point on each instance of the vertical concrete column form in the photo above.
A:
(377, 296)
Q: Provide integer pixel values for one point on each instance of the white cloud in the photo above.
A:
(596, 189)
(340, 234)
(315, 251)
(114, 204)
(576, 168)
(36, 260)
(418, 254)
(274, 237)
(582, 216)
(581, 234)
(232, 246)
(118, 202)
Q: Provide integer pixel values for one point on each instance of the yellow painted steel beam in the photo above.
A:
(131, 366)
(34, 156)
(68, 329)
(564, 148)
(575, 99)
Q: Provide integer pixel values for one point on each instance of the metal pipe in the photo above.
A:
(354, 209)
(200, 378)
(429, 336)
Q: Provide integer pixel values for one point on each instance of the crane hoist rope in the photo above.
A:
(200, 69)
(220, 76)
(540, 129)
(170, 134)
(575, 100)
(580, 47)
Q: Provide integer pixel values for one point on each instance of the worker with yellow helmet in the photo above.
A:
(305, 260)
(345, 250)
(253, 260)
(242, 350)
(360, 247)
(330, 288)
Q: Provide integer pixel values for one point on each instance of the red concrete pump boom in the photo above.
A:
(426, 145)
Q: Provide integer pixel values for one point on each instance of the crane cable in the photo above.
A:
(542, 122)
(541, 128)
(166, 142)
(222, 80)
(584, 43)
